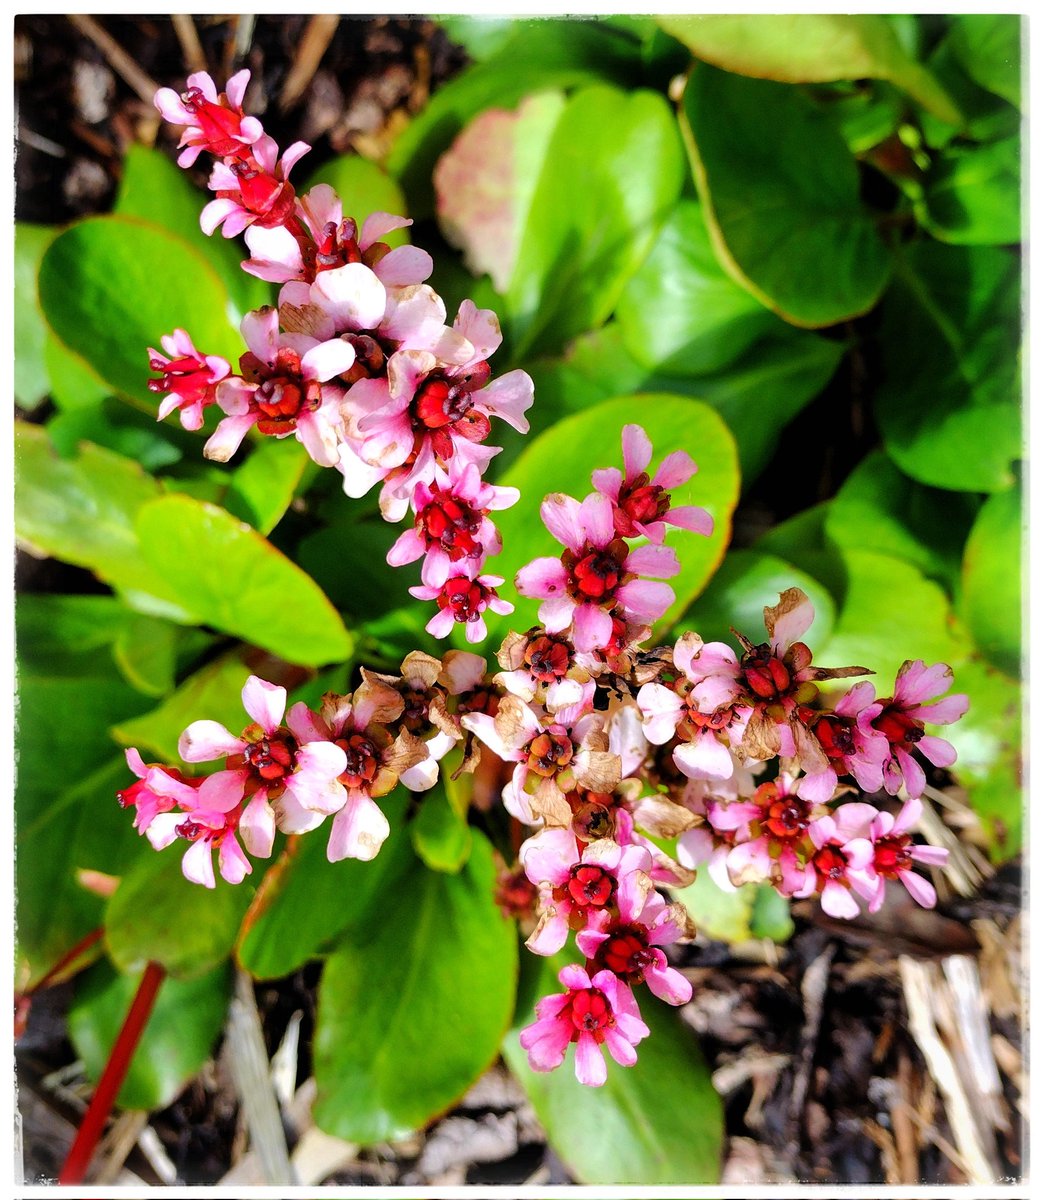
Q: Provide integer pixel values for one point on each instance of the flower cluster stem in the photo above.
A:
(87, 1136)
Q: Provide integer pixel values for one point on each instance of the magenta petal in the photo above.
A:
(937, 751)
(645, 601)
(676, 469)
(592, 628)
(542, 578)
(561, 515)
(510, 397)
(661, 562)
(944, 712)
(637, 451)
(692, 517)
(919, 887)
(608, 481)
(620, 1048)
(550, 935)
(668, 984)
(545, 1043)
(596, 519)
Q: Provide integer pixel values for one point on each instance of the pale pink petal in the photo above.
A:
(232, 862)
(228, 437)
(321, 205)
(359, 476)
(550, 935)
(293, 817)
(327, 359)
(931, 856)
(403, 266)
(318, 437)
(592, 628)
(944, 712)
(668, 984)
(913, 773)
(205, 740)
(838, 901)
(704, 758)
(236, 87)
(162, 829)
(377, 225)
(421, 777)
(661, 710)
(265, 702)
(276, 254)
(547, 856)
(197, 865)
(919, 887)
(320, 760)
(791, 625)
(359, 830)
(257, 826)
(620, 1048)
(937, 751)
(171, 107)
(509, 398)
(590, 1065)
(293, 154)
(222, 791)
(608, 481)
(215, 212)
(353, 296)
(556, 614)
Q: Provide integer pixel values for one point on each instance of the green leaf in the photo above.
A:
(771, 916)
(947, 405)
(440, 834)
(31, 383)
(412, 1008)
(260, 490)
(812, 48)
(156, 915)
(988, 46)
(991, 581)
(177, 1041)
(562, 458)
(305, 903)
(986, 116)
(972, 195)
(724, 916)
(879, 508)
(610, 178)
(111, 287)
(988, 741)
(153, 189)
(214, 692)
(146, 652)
(74, 383)
(681, 313)
(117, 426)
(890, 613)
(743, 585)
(364, 188)
(538, 55)
(239, 582)
(658, 1122)
(781, 195)
(480, 36)
(82, 511)
(485, 181)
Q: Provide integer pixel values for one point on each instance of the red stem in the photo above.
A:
(81, 947)
(84, 1144)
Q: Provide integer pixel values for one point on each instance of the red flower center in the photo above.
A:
(442, 406)
(282, 394)
(830, 865)
(892, 856)
(187, 377)
(362, 760)
(589, 886)
(271, 200)
(452, 524)
(597, 571)
(626, 952)
(639, 502)
(899, 727)
(219, 123)
(786, 818)
(547, 659)
(270, 756)
(836, 735)
(589, 1012)
(465, 598)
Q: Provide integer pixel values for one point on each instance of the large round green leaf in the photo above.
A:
(947, 404)
(110, 288)
(157, 915)
(812, 48)
(991, 592)
(988, 46)
(781, 194)
(306, 902)
(891, 613)
(658, 1122)
(972, 195)
(31, 383)
(681, 312)
(413, 1007)
(988, 741)
(230, 577)
(610, 177)
(562, 458)
(177, 1040)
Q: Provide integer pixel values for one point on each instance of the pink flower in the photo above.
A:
(642, 507)
(253, 190)
(851, 744)
(629, 945)
(574, 886)
(895, 853)
(840, 861)
(282, 390)
(593, 1013)
(902, 719)
(452, 529)
(596, 575)
(267, 762)
(776, 838)
(212, 122)
(540, 665)
(188, 378)
(335, 242)
(159, 790)
(464, 600)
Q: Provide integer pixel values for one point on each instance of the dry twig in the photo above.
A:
(188, 38)
(310, 50)
(117, 58)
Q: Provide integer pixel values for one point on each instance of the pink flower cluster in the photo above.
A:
(356, 359)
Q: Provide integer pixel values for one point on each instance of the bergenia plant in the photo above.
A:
(601, 740)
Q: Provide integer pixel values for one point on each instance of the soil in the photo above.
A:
(811, 1043)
